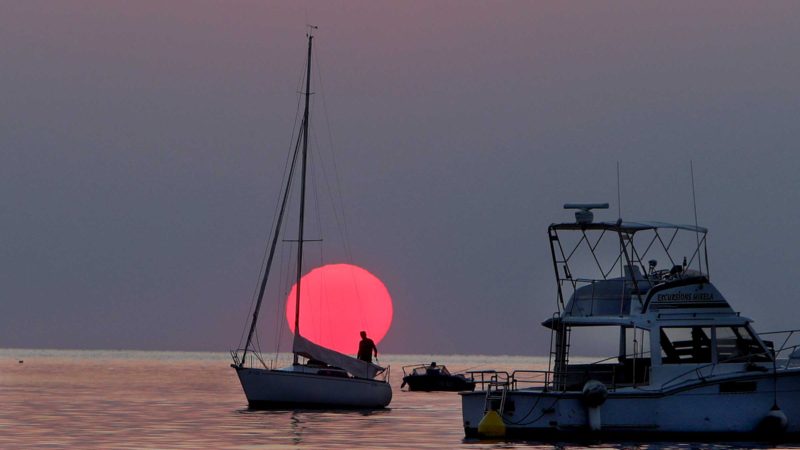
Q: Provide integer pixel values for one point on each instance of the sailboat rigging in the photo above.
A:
(327, 378)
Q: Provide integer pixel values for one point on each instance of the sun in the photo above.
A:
(337, 301)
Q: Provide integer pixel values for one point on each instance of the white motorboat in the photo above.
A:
(682, 363)
(326, 378)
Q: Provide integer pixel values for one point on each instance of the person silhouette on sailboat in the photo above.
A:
(366, 348)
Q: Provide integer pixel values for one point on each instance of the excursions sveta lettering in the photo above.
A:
(685, 297)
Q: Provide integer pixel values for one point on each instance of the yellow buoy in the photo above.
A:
(492, 425)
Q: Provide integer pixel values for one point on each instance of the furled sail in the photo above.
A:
(354, 366)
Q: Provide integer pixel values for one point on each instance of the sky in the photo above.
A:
(142, 146)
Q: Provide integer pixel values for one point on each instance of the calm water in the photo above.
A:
(103, 399)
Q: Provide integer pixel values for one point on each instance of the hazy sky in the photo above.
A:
(142, 145)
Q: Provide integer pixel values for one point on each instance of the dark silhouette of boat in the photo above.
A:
(328, 379)
(430, 377)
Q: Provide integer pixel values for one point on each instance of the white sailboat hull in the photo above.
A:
(266, 388)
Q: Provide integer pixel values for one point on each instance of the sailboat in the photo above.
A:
(319, 377)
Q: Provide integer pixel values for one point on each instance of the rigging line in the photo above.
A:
(284, 289)
(619, 195)
(344, 229)
(315, 192)
(280, 312)
(315, 164)
(303, 172)
(341, 227)
(322, 306)
(694, 205)
(341, 223)
(257, 352)
(277, 202)
(266, 238)
(272, 250)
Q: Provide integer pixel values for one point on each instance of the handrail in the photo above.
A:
(442, 368)
(252, 354)
(384, 375)
(779, 332)
(495, 378)
(789, 334)
(545, 378)
(700, 376)
(515, 379)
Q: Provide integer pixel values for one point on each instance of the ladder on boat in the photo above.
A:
(559, 354)
(496, 394)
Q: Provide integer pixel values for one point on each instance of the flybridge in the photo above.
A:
(614, 268)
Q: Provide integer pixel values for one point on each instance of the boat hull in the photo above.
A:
(273, 389)
(702, 411)
(429, 383)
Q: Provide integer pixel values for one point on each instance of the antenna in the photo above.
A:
(311, 29)
(694, 206)
(619, 195)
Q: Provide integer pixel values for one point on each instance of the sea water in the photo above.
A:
(173, 400)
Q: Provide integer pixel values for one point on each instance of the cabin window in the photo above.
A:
(622, 363)
(685, 345)
(737, 344)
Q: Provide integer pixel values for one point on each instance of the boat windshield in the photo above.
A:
(431, 370)
(737, 344)
(685, 345)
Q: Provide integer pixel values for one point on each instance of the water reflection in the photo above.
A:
(161, 400)
(297, 428)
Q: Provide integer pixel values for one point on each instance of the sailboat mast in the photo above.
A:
(274, 243)
(302, 196)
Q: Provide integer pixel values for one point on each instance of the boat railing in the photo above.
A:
(788, 352)
(252, 357)
(384, 374)
(790, 341)
(701, 373)
(490, 379)
(405, 372)
(521, 379)
(423, 369)
(792, 358)
(633, 370)
(707, 371)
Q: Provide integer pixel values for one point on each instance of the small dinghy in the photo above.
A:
(435, 378)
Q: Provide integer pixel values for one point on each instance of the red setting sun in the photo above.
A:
(337, 301)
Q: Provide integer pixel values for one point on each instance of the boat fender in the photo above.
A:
(594, 395)
(775, 422)
(492, 425)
